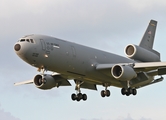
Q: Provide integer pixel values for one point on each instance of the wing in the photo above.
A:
(152, 68)
(24, 82)
(58, 78)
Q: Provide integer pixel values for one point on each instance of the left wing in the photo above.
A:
(57, 77)
(153, 68)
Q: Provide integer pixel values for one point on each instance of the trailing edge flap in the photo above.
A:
(150, 65)
(24, 82)
(158, 67)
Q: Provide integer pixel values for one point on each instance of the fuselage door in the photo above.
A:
(43, 44)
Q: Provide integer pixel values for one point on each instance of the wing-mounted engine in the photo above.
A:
(141, 54)
(47, 81)
(123, 72)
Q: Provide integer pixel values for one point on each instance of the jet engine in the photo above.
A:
(44, 81)
(144, 55)
(123, 72)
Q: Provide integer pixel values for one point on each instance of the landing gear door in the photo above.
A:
(43, 44)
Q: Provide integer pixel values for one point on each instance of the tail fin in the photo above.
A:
(148, 38)
(149, 35)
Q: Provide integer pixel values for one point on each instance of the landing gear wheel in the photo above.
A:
(130, 90)
(84, 97)
(123, 91)
(73, 96)
(107, 93)
(78, 99)
(134, 91)
(79, 95)
(103, 93)
(127, 93)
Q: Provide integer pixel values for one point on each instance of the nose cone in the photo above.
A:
(17, 47)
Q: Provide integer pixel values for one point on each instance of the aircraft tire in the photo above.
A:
(73, 96)
(102, 93)
(130, 90)
(79, 95)
(134, 91)
(127, 93)
(107, 93)
(84, 97)
(123, 91)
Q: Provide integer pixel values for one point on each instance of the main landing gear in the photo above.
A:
(105, 93)
(78, 96)
(128, 90)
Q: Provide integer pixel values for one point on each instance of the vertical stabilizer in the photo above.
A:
(149, 35)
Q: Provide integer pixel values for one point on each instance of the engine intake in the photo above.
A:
(123, 73)
(138, 53)
(44, 81)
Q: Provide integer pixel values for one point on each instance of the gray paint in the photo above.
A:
(74, 61)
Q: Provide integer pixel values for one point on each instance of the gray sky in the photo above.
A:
(106, 25)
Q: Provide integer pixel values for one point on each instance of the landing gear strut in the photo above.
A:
(78, 96)
(105, 93)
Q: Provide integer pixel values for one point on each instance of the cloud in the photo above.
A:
(7, 115)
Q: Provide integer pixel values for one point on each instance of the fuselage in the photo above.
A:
(71, 60)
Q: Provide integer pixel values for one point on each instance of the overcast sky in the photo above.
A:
(102, 24)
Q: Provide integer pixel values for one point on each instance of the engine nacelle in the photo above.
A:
(44, 81)
(123, 73)
(138, 53)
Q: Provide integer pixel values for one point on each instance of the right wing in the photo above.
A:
(24, 82)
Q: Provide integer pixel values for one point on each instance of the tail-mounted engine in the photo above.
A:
(123, 72)
(141, 54)
(44, 81)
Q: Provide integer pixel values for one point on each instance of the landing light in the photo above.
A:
(46, 55)
(56, 46)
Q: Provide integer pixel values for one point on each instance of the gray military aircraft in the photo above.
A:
(90, 67)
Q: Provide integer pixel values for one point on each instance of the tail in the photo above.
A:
(144, 52)
(149, 35)
(148, 38)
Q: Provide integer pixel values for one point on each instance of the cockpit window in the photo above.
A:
(31, 40)
(22, 40)
(27, 40)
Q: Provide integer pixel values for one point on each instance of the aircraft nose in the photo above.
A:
(17, 47)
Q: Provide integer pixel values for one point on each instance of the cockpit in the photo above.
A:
(27, 40)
